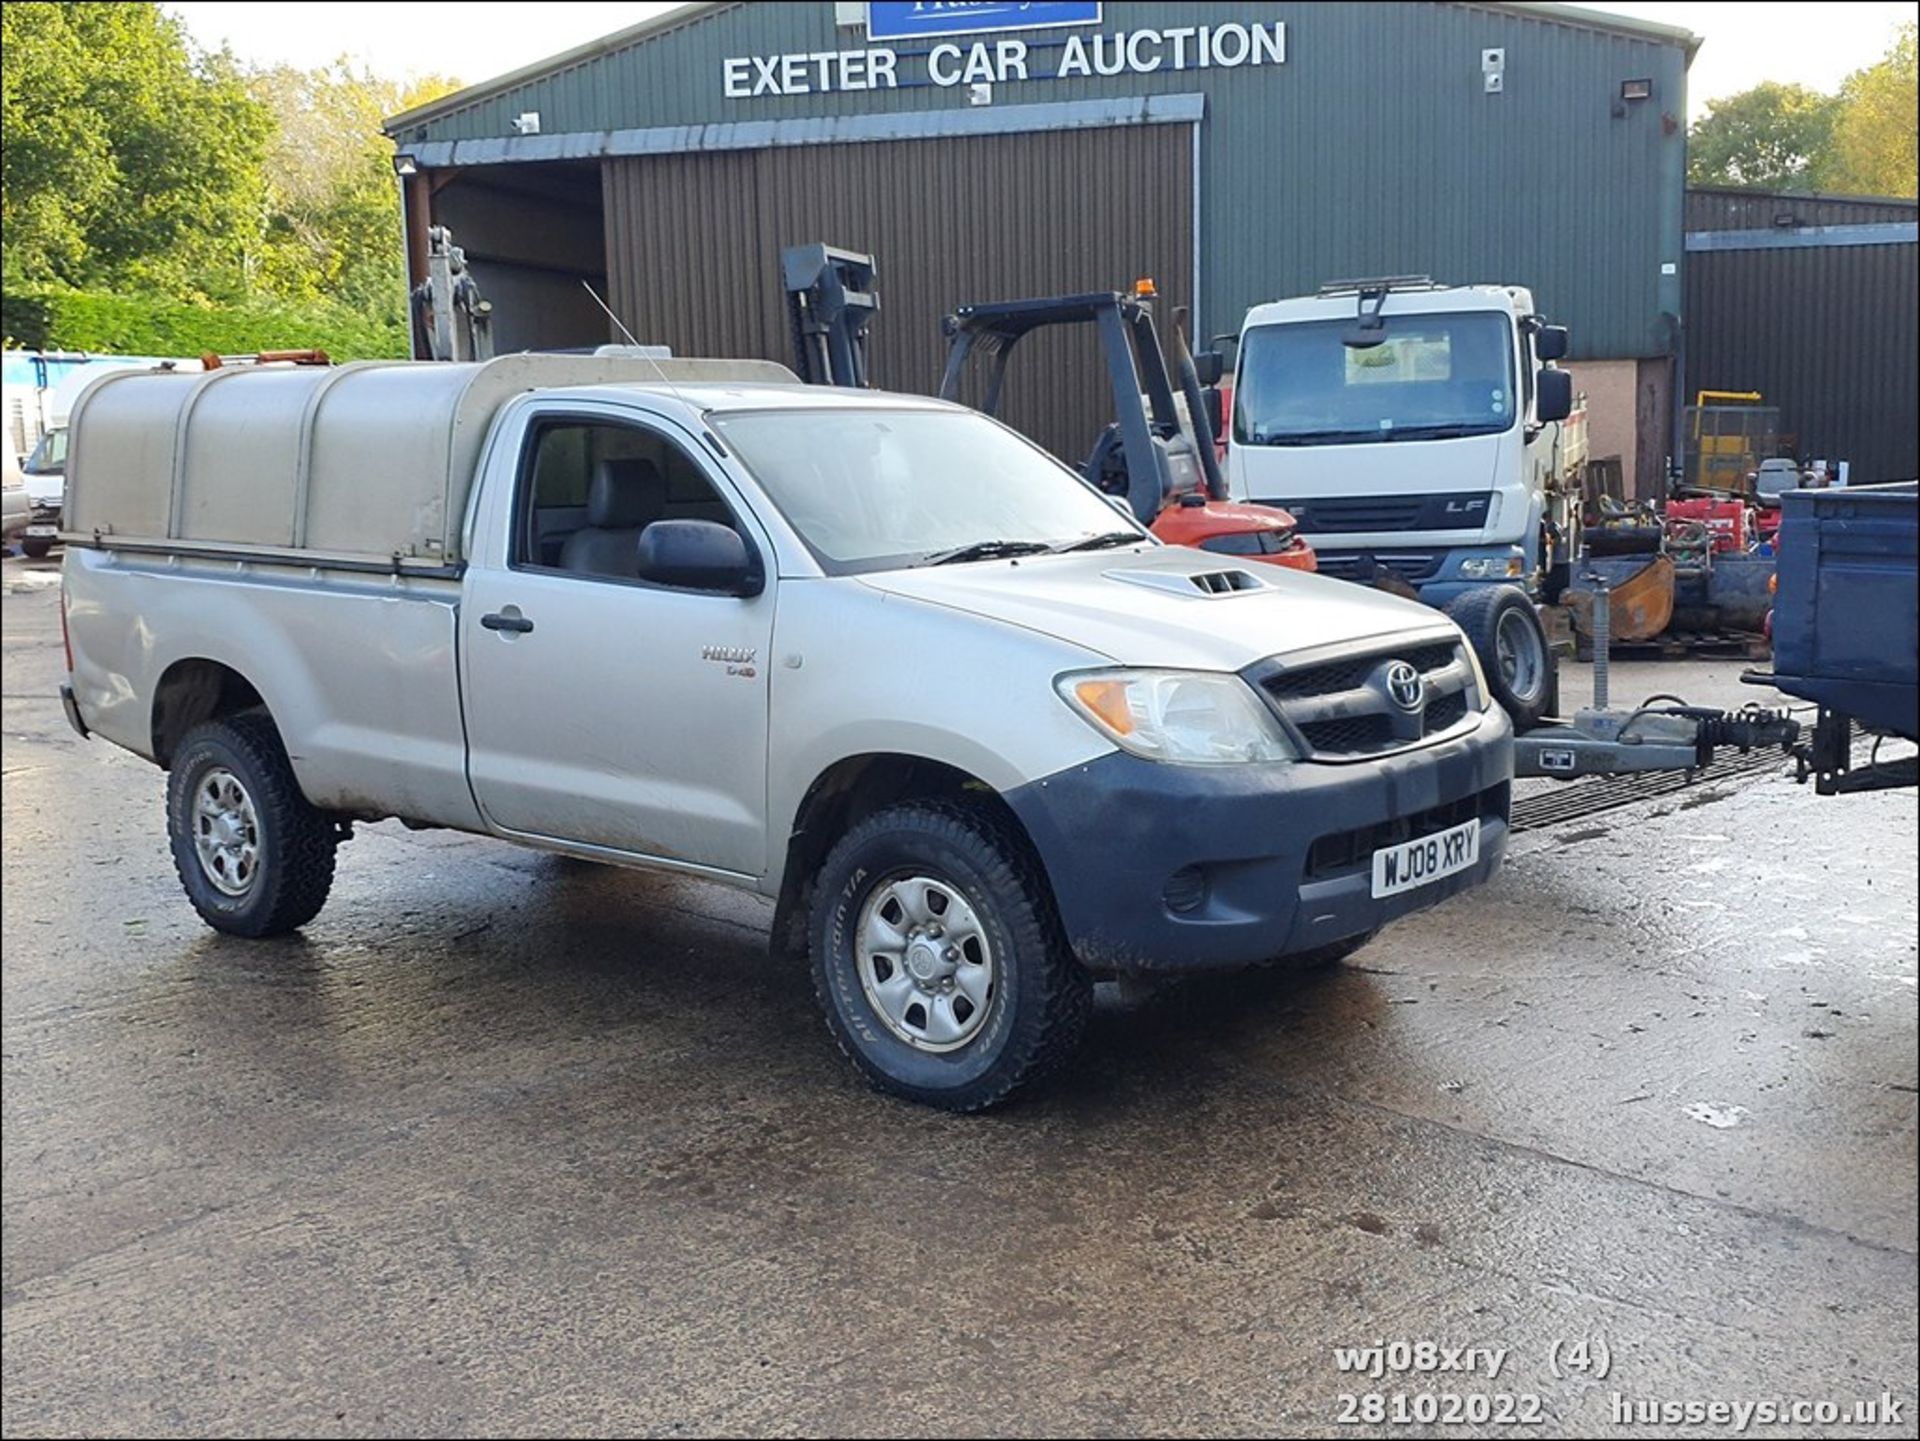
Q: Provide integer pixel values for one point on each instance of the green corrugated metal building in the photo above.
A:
(1234, 152)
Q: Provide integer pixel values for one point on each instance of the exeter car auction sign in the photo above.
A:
(985, 62)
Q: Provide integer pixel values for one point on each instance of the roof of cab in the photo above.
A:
(718, 397)
(1342, 304)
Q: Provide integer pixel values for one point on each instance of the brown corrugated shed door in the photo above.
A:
(693, 244)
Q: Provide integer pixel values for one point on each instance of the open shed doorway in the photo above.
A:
(531, 234)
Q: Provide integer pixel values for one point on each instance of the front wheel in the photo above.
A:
(255, 857)
(939, 960)
(1505, 632)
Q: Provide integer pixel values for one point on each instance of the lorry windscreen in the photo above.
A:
(50, 455)
(885, 489)
(1433, 377)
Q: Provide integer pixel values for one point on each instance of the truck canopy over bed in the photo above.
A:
(274, 459)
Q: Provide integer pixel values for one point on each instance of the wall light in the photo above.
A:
(405, 164)
(1636, 89)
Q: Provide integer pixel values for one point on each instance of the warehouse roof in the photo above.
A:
(1576, 16)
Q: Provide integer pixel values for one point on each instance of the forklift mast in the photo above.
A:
(1147, 422)
(830, 303)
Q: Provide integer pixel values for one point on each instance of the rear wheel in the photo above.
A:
(1505, 632)
(36, 549)
(939, 960)
(255, 857)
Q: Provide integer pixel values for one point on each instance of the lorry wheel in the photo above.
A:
(939, 959)
(36, 549)
(254, 855)
(1505, 632)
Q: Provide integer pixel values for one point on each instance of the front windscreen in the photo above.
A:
(1432, 377)
(50, 455)
(883, 488)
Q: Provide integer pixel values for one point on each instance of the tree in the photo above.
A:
(1873, 138)
(334, 225)
(1772, 137)
(128, 156)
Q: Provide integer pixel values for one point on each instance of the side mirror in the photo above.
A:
(1550, 342)
(1216, 411)
(698, 555)
(1553, 395)
(1208, 365)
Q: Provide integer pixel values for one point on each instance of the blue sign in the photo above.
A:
(910, 19)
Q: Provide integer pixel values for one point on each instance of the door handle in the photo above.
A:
(509, 620)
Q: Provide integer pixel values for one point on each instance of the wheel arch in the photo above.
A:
(191, 691)
(840, 796)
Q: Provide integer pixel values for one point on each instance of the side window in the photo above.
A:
(588, 489)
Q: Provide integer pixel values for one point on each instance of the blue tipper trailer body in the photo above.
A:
(1846, 615)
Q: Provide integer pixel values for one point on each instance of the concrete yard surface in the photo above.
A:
(505, 1143)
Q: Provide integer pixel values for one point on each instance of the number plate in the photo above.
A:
(1417, 863)
(37, 531)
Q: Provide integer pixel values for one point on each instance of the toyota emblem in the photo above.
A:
(1406, 685)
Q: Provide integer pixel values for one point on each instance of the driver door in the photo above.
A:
(604, 710)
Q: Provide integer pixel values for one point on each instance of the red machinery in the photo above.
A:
(1726, 521)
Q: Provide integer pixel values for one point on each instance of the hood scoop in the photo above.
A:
(1211, 584)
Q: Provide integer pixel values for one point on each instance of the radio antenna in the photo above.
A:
(665, 379)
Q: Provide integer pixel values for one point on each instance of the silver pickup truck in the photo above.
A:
(873, 656)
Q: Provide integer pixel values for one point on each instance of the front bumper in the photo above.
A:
(1438, 575)
(1163, 868)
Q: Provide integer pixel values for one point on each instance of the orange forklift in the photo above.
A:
(1163, 469)
(1166, 470)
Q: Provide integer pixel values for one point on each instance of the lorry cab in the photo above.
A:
(1410, 428)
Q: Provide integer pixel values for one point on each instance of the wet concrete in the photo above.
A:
(502, 1143)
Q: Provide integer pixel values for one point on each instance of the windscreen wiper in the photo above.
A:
(1434, 432)
(1103, 541)
(1314, 437)
(985, 550)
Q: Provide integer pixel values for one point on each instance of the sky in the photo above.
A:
(1747, 41)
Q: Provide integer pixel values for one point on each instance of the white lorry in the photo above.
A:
(1420, 434)
(876, 657)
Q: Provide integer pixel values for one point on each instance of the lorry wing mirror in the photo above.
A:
(1216, 411)
(1553, 395)
(1550, 342)
(1209, 365)
(698, 555)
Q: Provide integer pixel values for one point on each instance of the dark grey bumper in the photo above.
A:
(1160, 867)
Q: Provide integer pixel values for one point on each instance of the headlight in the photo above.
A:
(1492, 567)
(1190, 717)
(1482, 697)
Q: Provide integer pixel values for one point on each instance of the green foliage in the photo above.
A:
(1874, 141)
(156, 198)
(45, 318)
(1787, 137)
(128, 157)
(1772, 137)
(334, 223)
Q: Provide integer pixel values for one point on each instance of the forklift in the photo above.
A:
(1164, 465)
(1167, 475)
